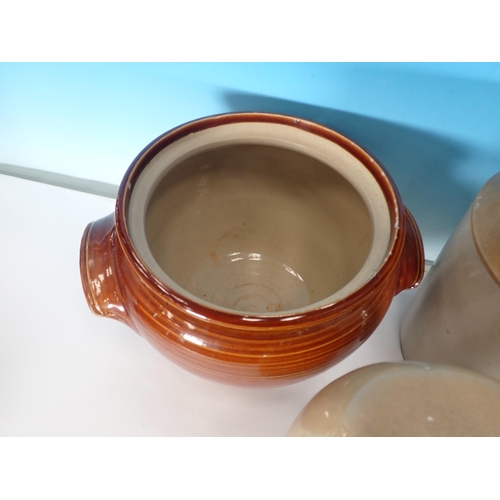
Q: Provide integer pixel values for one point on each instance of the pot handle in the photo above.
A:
(98, 270)
(412, 261)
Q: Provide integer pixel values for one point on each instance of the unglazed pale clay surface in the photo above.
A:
(404, 399)
(259, 228)
(455, 315)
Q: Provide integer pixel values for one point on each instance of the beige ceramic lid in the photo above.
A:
(402, 400)
(486, 225)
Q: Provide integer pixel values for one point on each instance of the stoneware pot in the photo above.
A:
(252, 248)
(454, 317)
(404, 399)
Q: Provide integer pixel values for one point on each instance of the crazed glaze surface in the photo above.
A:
(404, 399)
(153, 266)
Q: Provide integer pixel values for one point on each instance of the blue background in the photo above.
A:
(435, 127)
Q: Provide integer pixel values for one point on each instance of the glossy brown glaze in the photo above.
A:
(242, 348)
(412, 270)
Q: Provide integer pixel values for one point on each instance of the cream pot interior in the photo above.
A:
(259, 219)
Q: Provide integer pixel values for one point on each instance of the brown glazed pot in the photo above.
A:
(252, 248)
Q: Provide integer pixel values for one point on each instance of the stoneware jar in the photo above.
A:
(454, 317)
(252, 248)
(404, 399)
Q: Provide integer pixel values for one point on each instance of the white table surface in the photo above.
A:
(66, 372)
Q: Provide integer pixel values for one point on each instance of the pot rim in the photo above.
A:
(385, 182)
